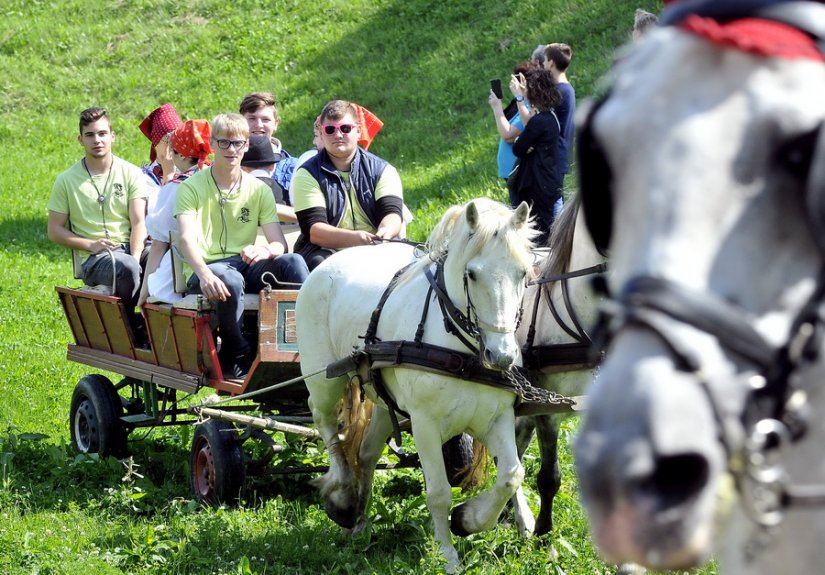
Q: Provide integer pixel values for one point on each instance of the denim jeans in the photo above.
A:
(239, 278)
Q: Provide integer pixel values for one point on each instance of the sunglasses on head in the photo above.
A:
(329, 129)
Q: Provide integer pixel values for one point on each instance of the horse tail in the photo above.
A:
(477, 472)
(354, 415)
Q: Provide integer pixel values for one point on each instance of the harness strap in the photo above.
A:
(454, 320)
(436, 359)
(541, 357)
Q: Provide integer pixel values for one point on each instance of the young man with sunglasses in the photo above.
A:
(219, 210)
(98, 206)
(344, 196)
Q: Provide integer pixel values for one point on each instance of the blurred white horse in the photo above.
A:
(480, 253)
(706, 425)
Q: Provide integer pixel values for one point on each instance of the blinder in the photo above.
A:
(595, 181)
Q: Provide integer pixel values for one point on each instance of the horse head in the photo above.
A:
(483, 248)
(703, 169)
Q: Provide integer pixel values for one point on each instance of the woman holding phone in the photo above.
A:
(508, 124)
(537, 147)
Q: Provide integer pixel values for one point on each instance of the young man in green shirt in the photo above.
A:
(219, 210)
(98, 205)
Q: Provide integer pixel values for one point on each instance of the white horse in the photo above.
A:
(483, 254)
(558, 310)
(706, 424)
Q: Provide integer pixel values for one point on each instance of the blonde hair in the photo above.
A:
(230, 125)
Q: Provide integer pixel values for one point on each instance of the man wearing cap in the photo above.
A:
(344, 196)
(219, 210)
(260, 161)
(190, 148)
(98, 205)
(158, 127)
(262, 115)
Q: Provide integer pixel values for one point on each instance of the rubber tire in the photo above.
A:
(94, 417)
(216, 464)
(458, 456)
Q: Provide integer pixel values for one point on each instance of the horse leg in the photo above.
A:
(549, 477)
(338, 485)
(525, 523)
(481, 513)
(428, 441)
(372, 447)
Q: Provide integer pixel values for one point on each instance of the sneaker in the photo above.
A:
(238, 368)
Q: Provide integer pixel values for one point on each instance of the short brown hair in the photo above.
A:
(92, 115)
(255, 101)
(559, 54)
(337, 109)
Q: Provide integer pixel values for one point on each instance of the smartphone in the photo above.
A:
(496, 87)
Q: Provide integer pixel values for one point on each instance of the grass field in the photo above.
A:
(424, 69)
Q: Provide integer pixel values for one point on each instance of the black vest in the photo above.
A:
(365, 172)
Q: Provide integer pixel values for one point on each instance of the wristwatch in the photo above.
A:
(519, 98)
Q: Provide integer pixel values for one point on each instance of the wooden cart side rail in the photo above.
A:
(136, 369)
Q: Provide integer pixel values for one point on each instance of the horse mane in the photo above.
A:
(494, 223)
(561, 240)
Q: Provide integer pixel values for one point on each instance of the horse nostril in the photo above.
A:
(677, 479)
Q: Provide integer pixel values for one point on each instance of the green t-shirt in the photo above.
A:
(225, 231)
(75, 195)
(308, 194)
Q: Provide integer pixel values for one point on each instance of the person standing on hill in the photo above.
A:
(539, 175)
(344, 195)
(557, 58)
(98, 206)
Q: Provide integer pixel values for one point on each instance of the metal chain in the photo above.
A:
(527, 392)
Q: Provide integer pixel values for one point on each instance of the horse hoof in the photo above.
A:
(630, 569)
(345, 517)
(457, 523)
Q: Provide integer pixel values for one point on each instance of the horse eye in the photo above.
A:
(796, 154)
(471, 275)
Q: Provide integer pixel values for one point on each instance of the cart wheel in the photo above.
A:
(216, 463)
(458, 457)
(95, 417)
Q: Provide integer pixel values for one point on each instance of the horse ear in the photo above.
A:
(521, 215)
(472, 215)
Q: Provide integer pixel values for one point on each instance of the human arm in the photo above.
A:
(518, 86)
(58, 232)
(286, 213)
(137, 219)
(506, 130)
(165, 159)
(524, 143)
(211, 286)
(156, 252)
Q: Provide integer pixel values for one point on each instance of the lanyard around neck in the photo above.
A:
(101, 196)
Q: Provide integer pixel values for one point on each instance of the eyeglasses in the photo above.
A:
(329, 129)
(225, 144)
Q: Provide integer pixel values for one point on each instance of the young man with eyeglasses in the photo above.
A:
(98, 206)
(344, 196)
(219, 210)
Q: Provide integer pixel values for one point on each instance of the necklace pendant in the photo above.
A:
(101, 200)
